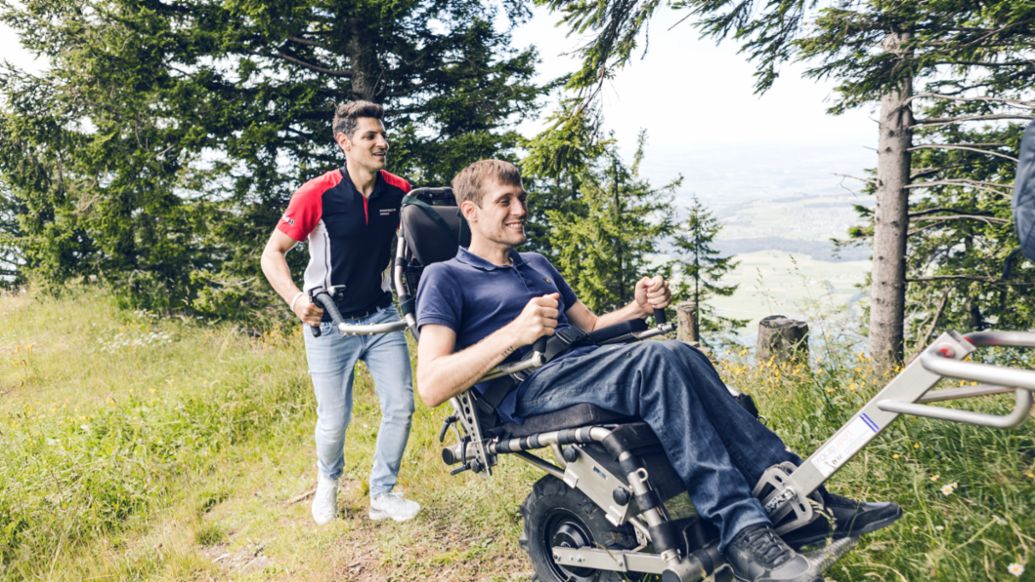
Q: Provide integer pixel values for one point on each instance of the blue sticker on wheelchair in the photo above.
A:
(869, 422)
(844, 445)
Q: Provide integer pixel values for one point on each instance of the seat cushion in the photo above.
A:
(571, 417)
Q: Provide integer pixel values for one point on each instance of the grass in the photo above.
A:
(136, 448)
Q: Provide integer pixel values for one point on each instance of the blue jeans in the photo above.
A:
(332, 360)
(719, 449)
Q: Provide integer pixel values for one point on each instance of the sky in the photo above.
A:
(691, 95)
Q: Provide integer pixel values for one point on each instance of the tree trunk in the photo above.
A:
(687, 330)
(781, 339)
(891, 222)
(362, 62)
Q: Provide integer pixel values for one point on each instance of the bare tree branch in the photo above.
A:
(1014, 102)
(964, 118)
(307, 42)
(934, 322)
(989, 64)
(930, 211)
(945, 146)
(978, 278)
(990, 187)
(313, 67)
(986, 218)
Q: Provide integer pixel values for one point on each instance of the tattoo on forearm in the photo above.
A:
(507, 351)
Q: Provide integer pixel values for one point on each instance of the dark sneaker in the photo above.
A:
(849, 517)
(757, 554)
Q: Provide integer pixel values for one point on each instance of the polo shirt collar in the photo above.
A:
(465, 256)
(378, 183)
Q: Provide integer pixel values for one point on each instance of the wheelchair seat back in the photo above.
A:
(432, 226)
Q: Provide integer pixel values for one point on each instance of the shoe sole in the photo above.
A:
(739, 579)
(869, 528)
(383, 515)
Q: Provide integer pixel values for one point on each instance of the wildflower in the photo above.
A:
(1015, 569)
(935, 477)
(896, 456)
(1030, 473)
(916, 445)
(949, 488)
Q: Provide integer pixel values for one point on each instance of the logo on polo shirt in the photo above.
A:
(548, 280)
(387, 211)
(288, 220)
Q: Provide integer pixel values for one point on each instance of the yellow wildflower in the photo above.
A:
(935, 477)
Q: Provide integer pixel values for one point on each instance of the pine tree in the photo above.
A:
(877, 52)
(168, 135)
(700, 268)
(603, 242)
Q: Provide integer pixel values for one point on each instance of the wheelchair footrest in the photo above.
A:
(788, 509)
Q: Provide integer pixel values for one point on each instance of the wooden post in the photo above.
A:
(782, 339)
(686, 313)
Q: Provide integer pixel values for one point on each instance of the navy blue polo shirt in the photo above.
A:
(474, 297)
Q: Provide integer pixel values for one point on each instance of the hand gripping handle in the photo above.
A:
(322, 298)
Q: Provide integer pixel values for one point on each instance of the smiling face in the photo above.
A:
(367, 147)
(500, 218)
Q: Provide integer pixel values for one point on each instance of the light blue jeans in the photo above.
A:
(332, 361)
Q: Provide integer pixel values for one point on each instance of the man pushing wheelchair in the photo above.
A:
(488, 304)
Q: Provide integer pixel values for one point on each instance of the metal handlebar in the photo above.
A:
(940, 359)
(324, 299)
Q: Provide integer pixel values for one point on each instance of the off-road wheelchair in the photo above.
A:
(610, 506)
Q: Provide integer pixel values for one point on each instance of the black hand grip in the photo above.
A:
(324, 300)
(315, 329)
(660, 317)
(540, 345)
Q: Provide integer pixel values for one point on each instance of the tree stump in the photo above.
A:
(782, 339)
(686, 331)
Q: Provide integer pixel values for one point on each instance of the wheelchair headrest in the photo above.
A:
(432, 226)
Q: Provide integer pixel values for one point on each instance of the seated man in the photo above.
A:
(487, 304)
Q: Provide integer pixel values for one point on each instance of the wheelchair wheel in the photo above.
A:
(557, 515)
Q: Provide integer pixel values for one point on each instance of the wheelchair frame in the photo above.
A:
(628, 490)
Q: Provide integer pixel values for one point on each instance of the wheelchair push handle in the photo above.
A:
(322, 298)
(659, 316)
(943, 360)
(325, 299)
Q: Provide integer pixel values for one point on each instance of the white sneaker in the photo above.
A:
(325, 500)
(393, 505)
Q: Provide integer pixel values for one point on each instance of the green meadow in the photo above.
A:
(140, 448)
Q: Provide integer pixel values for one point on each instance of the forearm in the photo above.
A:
(440, 378)
(630, 311)
(275, 267)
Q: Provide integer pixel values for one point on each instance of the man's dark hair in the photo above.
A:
(346, 115)
(470, 183)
